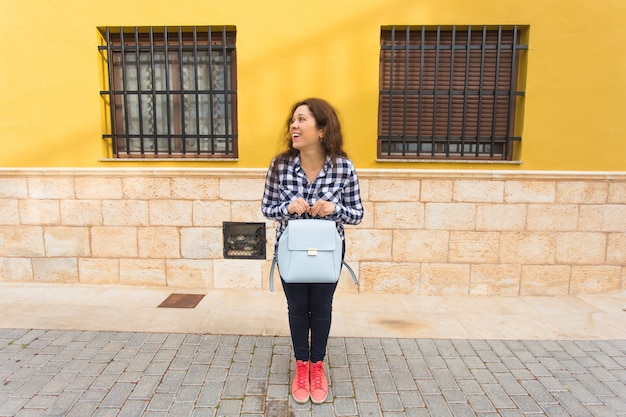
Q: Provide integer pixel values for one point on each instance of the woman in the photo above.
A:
(313, 177)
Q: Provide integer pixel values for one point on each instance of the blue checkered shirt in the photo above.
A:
(337, 182)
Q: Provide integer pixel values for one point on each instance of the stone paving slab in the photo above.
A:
(90, 373)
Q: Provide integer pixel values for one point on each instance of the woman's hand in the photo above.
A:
(322, 208)
(298, 206)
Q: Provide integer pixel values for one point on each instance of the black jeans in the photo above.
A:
(310, 311)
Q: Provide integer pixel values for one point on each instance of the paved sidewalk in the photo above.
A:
(87, 373)
(262, 313)
(82, 351)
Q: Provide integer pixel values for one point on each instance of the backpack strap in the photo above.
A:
(356, 281)
(275, 262)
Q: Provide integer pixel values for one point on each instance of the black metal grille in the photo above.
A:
(244, 240)
(449, 92)
(171, 91)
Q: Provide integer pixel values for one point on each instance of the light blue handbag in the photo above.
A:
(309, 251)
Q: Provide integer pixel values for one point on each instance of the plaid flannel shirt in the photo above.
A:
(337, 182)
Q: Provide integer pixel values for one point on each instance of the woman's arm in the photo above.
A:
(351, 209)
(271, 205)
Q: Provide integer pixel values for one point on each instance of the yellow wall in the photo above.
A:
(51, 109)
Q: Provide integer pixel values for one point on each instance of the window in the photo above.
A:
(449, 93)
(171, 92)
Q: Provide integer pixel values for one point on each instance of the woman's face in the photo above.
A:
(304, 131)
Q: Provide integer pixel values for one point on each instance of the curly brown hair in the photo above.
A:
(325, 118)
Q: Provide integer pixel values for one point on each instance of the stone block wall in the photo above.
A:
(424, 232)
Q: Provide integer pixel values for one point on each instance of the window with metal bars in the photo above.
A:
(171, 91)
(449, 93)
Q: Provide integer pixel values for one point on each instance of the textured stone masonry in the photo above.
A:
(424, 232)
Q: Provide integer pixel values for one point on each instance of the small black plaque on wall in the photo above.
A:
(244, 240)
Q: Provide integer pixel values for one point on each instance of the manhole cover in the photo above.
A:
(182, 300)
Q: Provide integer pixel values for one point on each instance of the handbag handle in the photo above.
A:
(275, 262)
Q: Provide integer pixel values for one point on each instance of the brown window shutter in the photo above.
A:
(446, 88)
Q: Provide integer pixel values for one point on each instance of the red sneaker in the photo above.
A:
(300, 385)
(319, 383)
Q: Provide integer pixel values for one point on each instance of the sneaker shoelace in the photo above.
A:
(317, 373)
(301, 374)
